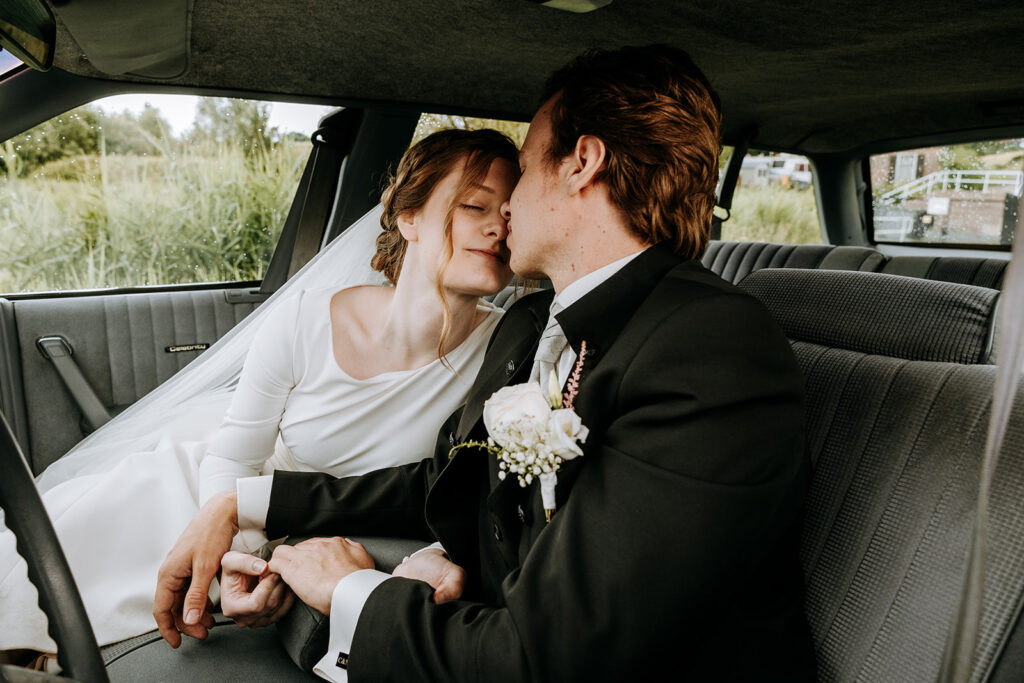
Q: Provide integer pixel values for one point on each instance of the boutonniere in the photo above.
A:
(532, 434)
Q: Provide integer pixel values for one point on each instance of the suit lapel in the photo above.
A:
(509, 360)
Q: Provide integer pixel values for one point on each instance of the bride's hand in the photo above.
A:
(433, 566)
(250, 593)
(181, 602)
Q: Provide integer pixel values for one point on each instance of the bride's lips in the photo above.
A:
(494, 255)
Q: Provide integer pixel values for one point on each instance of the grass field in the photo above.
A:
(202, 214)
(773, 213)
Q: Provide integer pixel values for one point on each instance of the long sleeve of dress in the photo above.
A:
(250, 428)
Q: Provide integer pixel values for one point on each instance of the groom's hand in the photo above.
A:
(433, 566)
(181, 602)
(313, 568)
(250, 593)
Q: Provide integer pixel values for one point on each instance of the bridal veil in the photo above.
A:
(191, 405)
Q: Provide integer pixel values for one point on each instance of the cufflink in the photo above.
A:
(342, 662)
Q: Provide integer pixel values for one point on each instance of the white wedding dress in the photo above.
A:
(294, 408)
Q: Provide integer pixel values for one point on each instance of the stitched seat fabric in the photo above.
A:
(982, 272)
(876, 313)
(896, 445)
(733, 261)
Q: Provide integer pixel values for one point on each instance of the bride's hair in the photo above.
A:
(422, 167)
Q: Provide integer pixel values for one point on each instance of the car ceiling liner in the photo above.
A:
(118, 39)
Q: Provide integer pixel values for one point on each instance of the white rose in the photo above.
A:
(564, 428)
(516, 410)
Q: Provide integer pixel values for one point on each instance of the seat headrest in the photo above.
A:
(888, 315)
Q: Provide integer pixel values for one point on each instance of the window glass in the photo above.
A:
(774, 200)
(8, 62)
(431, 123)
(958, 194)
(149, 190)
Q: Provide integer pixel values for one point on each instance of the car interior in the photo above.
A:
(896, 336)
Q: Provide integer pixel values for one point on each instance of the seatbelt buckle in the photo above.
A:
(54, 345)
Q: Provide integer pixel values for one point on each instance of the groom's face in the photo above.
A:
(535, 205)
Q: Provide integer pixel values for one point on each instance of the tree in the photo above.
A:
(71, 134)
(145, 133)
(223, 120)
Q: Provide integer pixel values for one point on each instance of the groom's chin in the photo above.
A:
(524, 271)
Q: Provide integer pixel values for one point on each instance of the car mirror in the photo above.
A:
(29, 32)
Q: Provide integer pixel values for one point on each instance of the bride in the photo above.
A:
(340, 376)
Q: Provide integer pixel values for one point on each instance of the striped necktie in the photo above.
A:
(549, 349)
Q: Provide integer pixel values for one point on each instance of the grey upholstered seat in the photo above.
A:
(733, 261)
(896, 420)
(983, 272)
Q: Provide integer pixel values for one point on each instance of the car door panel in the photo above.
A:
(124, 344)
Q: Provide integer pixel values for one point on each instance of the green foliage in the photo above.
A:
(246, 122)
(72, 134)
(147, 133)
(210, 213)
(960, 158)
(773, 213)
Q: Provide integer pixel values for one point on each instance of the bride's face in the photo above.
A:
(479, 260)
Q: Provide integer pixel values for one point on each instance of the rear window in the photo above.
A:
(967, 194)
(774, 200)
(431, 123)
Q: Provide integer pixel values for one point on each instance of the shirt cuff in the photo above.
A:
(253, 501)
(433, 546)
(347, 602)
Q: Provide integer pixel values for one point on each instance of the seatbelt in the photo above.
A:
(57, 350)
(956, 660)
(306, 223)
(727, 185)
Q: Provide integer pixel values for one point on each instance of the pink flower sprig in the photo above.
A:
(572, 387)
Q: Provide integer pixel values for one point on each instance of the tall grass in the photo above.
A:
(204, 213)
(773, 213)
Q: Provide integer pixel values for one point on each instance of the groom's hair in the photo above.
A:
(659, 119)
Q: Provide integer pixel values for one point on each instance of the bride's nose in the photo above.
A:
(498, 228)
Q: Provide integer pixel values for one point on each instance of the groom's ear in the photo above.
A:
(407, 225)
(585, 162)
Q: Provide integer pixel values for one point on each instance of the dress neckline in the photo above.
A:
(453, 356)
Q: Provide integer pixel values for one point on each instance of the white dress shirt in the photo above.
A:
(354, 590)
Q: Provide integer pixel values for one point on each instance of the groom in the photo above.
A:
(672, 550)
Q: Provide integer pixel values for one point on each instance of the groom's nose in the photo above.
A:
(506, 210)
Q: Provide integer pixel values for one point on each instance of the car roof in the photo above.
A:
(813, 77)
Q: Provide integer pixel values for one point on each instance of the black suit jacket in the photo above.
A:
(674, 548)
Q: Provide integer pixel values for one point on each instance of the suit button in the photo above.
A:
(497, 533)
(510, 367)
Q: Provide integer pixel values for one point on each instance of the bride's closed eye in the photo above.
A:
(471, 207)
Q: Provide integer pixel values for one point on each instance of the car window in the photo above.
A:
(8, 62)
(968, 194)
(139, 190)
(774, 200)
(431, 123)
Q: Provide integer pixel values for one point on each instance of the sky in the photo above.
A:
(180, 111)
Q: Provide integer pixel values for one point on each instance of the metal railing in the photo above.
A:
(956, 180)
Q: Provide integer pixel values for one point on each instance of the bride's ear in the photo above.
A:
(408, 225)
